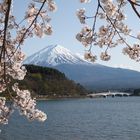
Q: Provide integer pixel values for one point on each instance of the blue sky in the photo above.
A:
(66, 25)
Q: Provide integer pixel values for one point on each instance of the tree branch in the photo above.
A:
(134, 8)
(29, 26)
(3, 51)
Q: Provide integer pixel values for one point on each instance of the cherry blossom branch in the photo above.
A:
(112, 33)
(134, 8)
(11, 56)
(27, 30)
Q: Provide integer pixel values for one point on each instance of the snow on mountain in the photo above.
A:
(54, 55)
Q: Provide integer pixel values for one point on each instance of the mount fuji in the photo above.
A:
(54, 55)
(90, 75)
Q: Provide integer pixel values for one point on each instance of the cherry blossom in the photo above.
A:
(109, 28)
(89, 56)
(104, 56)
(26, 105)
(133, 52)
(4, 111)
(81, 15)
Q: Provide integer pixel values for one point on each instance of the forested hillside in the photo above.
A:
(48, 82)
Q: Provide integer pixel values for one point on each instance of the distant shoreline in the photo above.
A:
(62, 97)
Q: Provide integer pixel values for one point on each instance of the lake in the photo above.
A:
(80, 119)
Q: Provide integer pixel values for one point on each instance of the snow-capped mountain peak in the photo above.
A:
(54, 55)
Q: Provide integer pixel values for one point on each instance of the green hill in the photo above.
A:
(48, 82)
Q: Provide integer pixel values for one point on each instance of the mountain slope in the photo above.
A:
(100, 77)
(93, 76)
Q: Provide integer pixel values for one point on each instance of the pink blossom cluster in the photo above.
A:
(133, 52)
(85, 36)
(81, 15)
(26, 105)
(89, 56)
(4, 111)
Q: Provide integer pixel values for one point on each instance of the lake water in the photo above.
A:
(80, 119)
